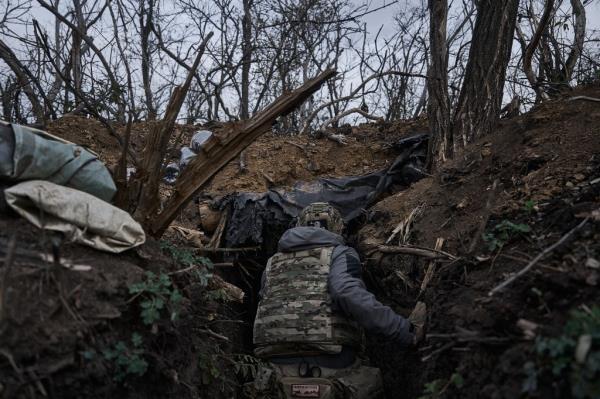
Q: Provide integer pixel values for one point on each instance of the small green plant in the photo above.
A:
(210, 372)
(218, 295)
(157, 294)
(246, 366)
(436, 388)
(530, 206)
(502, 232)
(203, 271)
(571, 359)
(127, 360)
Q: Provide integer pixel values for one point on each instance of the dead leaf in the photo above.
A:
(584, 344)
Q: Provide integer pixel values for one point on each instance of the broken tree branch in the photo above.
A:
(431, 268)
(414, 250)
(149, 172)
(351, 111)
(586, 98)
(221, 148)
(535, 260)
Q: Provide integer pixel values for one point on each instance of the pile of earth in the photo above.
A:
(76, 322)
(70, 332)
(272, 160)
(497, 206)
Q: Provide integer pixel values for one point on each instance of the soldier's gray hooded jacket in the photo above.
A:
(346, 287)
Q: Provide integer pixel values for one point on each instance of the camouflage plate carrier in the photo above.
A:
(294, 316)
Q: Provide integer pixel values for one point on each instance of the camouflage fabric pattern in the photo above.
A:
(294, 316)
(319, 211)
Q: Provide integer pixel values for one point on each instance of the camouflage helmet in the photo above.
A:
(321, 214)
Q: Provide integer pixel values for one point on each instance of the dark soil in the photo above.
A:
(57, 323)
(540, 169)
(546, 166)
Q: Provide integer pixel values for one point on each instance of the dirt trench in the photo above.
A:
(538, 174)
(538, 170)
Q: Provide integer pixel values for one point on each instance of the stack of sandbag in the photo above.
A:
(60, 186)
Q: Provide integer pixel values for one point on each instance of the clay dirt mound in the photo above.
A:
(272, 160)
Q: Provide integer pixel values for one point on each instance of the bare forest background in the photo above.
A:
(115, 59)
(260, 64)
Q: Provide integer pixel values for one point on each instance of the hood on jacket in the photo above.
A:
(305, 237)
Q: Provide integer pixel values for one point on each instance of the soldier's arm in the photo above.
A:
(350, 295)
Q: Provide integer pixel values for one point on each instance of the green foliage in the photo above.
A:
(530, 206)
(437, 387)
(209, 369)
(203, 271)
(555, 357)
(246, 366)
(218, 295)
(127, 360)
(502, 232)
(157, 294)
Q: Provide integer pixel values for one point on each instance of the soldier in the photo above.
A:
(312, 309)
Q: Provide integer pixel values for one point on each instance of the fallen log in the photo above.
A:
(224, 146)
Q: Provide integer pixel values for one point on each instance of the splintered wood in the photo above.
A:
(431, 268)
(227, 144)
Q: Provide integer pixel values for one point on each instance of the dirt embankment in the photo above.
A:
(272, 160)
(107, 327)
(523, 188)
(76, 322)
(67, 333)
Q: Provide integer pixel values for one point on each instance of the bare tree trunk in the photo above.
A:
(147, 179)
(580, 22)
(76, 68)
(146, 16)
(438, 107)
(246, 59)
(480, 97)
(23, 80)
(530, 49)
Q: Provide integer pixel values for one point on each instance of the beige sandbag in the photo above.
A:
(83, 218)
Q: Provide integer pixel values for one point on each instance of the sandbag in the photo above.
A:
(31, 154)
(82, 217)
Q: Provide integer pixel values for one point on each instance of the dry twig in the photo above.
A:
(586, 98)
(414, 250)
(535, 260)
(431, 268)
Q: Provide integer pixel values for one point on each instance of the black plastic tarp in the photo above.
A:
(260, 218)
